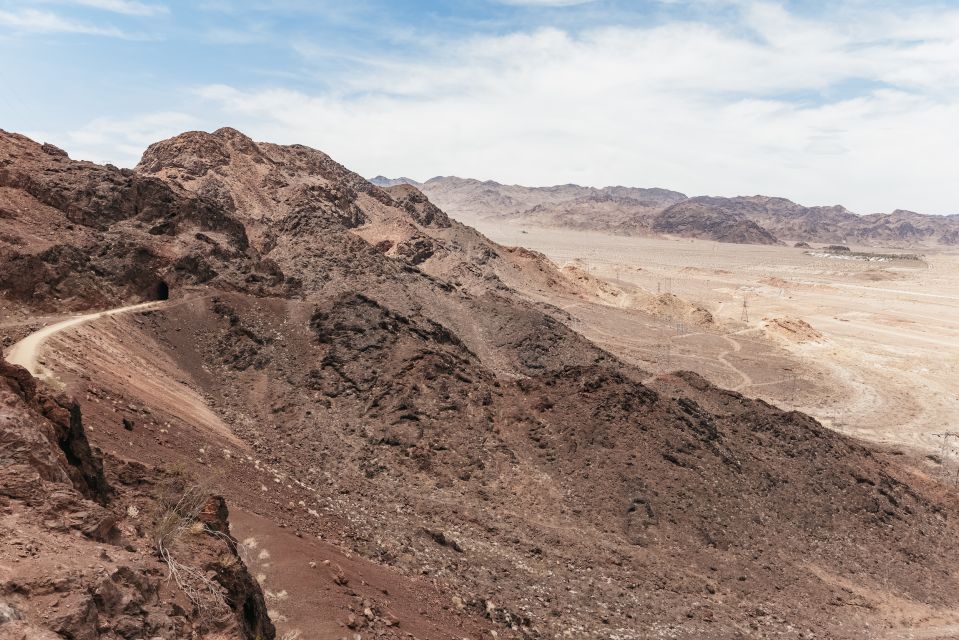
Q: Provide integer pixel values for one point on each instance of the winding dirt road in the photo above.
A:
(26, 353)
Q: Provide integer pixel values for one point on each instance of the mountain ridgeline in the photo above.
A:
(636, 211)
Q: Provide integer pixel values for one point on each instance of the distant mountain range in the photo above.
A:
(636, 211)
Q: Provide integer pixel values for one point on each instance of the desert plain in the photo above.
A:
(868, 347)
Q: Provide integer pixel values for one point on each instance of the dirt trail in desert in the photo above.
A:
(112, 355)
(26, 353)
(735, 348)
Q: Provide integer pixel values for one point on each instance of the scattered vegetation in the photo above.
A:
(178, 514)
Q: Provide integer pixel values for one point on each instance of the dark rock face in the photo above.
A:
(120, 270)
(413, 373)
(698, 219)
(60, 508)
(332, 205)
(59, 451)
(418, 206)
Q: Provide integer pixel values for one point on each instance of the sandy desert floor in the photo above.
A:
(879, 358)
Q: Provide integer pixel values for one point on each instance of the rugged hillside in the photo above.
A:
(754, 220)
(299, 194)
(208, 209)
(77, 235)
(88, 553)
(360, 370)
(517, 493)
(703, 218)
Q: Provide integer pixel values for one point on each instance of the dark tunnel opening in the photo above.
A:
(162, 291)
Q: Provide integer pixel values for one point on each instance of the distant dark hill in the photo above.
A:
(710, 220)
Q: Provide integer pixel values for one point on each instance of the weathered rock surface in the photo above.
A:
(79, 557)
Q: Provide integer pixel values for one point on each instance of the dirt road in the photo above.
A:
(26, 353)
(113, 353)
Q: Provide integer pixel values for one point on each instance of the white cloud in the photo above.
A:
(120, 141)
(126, 7)
(545, 3)
(861, 112)
(33, 20)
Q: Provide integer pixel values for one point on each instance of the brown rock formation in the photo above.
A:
(79, 558)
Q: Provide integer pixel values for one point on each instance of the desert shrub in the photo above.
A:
(178, 512)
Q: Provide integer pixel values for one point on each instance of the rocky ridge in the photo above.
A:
(80, 557)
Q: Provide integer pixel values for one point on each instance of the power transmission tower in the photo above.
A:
(945, 443)
(745, 314)
(792, 384)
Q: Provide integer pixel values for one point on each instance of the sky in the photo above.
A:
(852, 102)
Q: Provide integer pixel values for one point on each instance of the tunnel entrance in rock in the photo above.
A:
(162, 291)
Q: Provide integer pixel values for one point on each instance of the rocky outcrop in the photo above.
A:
(80, 557)
(45, 430)
(99, 196)
(264, 182)
(79, 235)
(419, 207)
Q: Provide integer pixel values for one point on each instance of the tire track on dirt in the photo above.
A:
(736, 348)
(26, 352)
